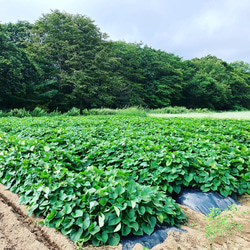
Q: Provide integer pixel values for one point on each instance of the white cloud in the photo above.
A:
(187, 28)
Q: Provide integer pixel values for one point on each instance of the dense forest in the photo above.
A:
(63, 61)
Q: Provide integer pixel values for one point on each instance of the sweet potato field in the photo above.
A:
(99, 178)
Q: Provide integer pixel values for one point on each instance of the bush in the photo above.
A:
(102, 111)
(170, 110)
(132, 111)
(3, 114)
(19, 113)
(38, 112)
(73, 112)
(55, 113)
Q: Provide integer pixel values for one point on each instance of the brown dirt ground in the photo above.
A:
(19, 232)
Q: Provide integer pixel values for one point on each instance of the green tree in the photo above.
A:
(129, 74)
(18, 76)
(18, 33)
(149, 77)
(76, 54)
(163, 77)
(208, 84)
(240, 85)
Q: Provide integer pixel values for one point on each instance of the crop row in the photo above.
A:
(99, 178)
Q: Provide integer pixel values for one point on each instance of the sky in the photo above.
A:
(187, 28)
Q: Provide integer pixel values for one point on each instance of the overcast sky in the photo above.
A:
(187, 28)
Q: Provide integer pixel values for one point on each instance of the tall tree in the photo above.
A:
(240, 85)
(18, 33)
(128, 71)
(78, 51)
(18, 75)
(209, 86)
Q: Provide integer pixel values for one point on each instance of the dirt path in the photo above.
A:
(19, 232)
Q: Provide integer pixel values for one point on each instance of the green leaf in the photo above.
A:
(117, 211)
(189, 177)
(139, 232)
(224, 192)
(125, 230)
(152, 221)
(51, 215)
(76, 234)
(133, 204)
(118, 227)
(94, 228)
(46, 190)
(147, 228)
(119, 189)
(114, 239)
(79, 222)
(177, 189)
(160, 218)
(113, 220)
(86, 222)
(142, 210)
(46, 148)
(67, 209)
(131, 187)
(66, 232)
(101, 219)
(131, 213)
(103, 201)
(102, 236)
(41, 223)
(78, 213)
(67, 223)
(135, 226)
(92, 205)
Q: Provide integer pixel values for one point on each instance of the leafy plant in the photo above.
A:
(98, 179)
(73, 112)
(38, 112)
(19, 113)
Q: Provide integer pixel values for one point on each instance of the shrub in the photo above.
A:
(3, 114)
(19, 113)
(38, 112)
(73, 112)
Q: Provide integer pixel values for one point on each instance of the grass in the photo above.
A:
(242, 115)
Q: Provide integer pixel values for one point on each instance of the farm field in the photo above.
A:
(241, 115)
(96, 178)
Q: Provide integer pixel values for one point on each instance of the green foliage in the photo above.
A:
(97, 179)
(64, 61)
(220, 225)
(102, 111)
(90, 204)
(3, 114)
(74, 59)
(38, 112)
(73, 112)
(19, 113)
(17, 76)
(170, 110)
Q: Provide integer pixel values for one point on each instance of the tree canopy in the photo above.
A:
(64, 61)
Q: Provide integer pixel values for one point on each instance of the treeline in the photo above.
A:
(64, 61)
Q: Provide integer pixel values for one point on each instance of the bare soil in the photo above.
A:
(17, 231)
